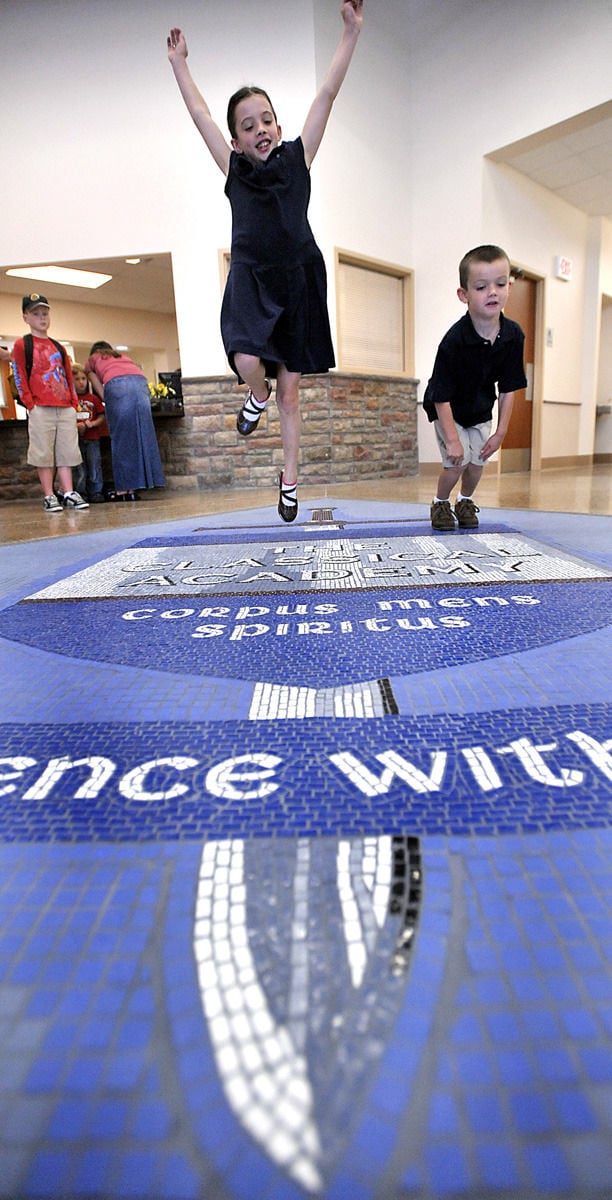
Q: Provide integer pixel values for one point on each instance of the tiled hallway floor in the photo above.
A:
(304, 857)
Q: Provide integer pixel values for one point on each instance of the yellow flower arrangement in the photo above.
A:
(160, 391)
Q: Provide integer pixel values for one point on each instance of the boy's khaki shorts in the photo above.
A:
(53, 440)
(472, 437)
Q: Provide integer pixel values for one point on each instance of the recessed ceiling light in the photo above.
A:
(66, 275)
(132, 261)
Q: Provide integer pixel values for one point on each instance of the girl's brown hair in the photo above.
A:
(104, 348)
(234, 101)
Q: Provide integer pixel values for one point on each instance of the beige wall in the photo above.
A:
(110, 164)
(152, 337)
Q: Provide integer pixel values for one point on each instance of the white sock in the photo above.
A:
(289, 491)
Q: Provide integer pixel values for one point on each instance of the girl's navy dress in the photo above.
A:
(275, 301)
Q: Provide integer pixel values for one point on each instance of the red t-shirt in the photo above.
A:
(50, 384)
(93, 406)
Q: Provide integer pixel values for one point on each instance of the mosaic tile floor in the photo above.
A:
(304, 859)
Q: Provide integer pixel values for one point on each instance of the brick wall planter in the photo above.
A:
(353, 427)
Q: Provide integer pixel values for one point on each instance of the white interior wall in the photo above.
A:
(484, 76)
(108, 163)
(603, 426)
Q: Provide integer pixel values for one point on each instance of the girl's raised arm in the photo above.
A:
(195, 102)
(318, 116)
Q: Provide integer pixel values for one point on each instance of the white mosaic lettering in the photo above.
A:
(363, 779)
(454, 622)
(199, 580)
(394, 764)
(176, 614)
(244, 631)
(132, 785)
(213, 612)
(242, 562)
(286, 610)
(376, 625)
(221, 780)
(208, 631)
(314, 627)
(461, 568)
(101, 771)
(422, 623)
(267, 575)
(486, 601)
(453, 602)
(150, 581)
(256, 610)
(530, 757)
(386, 605)
(482, 768)
(487, 559)
(412, 775)
(18, 765)
(598, 752)
(138, 614)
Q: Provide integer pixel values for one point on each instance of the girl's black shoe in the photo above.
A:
(286, 511)
(250, 413)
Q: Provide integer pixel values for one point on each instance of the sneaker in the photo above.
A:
(465, 512)
(51, 504)
(73, 500)
(442, 515)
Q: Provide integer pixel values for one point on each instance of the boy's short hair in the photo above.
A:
(488, 254)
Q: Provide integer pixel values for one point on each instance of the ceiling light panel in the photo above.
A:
(69, 276)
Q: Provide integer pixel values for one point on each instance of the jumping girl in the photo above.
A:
(274, 319)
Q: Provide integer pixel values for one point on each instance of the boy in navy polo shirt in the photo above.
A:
(479, 360)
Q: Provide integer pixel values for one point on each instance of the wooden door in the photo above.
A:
(8, 412)
(515, 454)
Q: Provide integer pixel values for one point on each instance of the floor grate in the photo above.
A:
(324, 516)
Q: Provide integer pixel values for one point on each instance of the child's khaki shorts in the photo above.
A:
(472, 437)
(53, 440)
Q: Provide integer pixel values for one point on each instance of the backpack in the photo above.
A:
(28, 345)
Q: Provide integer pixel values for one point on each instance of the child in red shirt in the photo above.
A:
(91, 426)
(49, 396)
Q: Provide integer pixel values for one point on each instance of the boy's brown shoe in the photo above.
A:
(465, 512)
(442, 515)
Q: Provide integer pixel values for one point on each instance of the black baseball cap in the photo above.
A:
(32, 300)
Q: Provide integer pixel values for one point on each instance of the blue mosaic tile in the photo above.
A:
(170, 782)
(372, 636)
(483, 1006)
